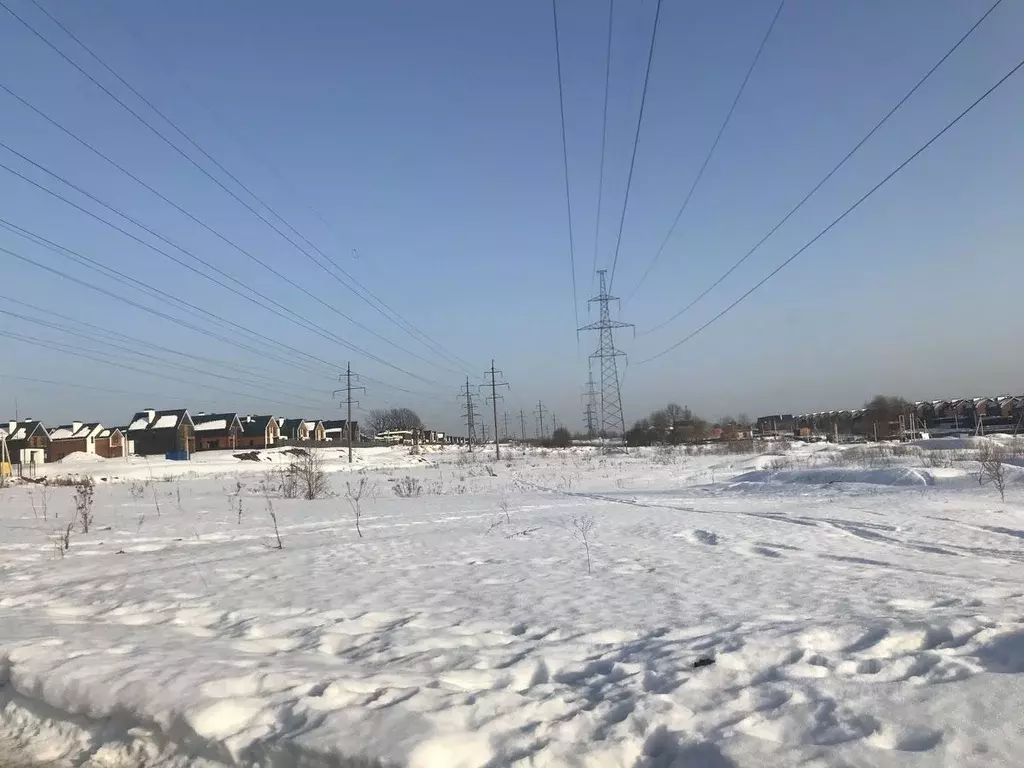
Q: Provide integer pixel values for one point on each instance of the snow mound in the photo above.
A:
(79, 457)
(825, 476)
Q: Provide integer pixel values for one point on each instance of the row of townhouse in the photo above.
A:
(174, 433)
(977, 414)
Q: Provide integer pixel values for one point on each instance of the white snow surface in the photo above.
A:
(166, 421)
(851, 622)
(208, 426)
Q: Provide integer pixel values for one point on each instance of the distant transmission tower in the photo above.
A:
(590, 407)
(611, 419)
(469, 412)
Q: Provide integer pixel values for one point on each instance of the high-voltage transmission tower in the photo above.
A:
(469, 413)
(590, 407)
(610, 395)
(491, 381)
(349, 402)
(539, 413)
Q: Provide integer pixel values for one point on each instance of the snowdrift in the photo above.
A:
(825, 476)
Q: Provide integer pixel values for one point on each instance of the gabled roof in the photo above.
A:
(290, 425)
(141, 421)
(335, 424)
(23, 430)
(215, 423)
(69, 431)
(256, 426)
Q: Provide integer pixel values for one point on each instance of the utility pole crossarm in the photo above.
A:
(491, 380)
(348, 402)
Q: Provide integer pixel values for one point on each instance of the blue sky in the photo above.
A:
(418, 145)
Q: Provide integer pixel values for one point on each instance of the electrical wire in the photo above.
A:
(604, 136)
(192, 161)
(636, 143)
(830, 174)
(565, 163)
(201, 223)
(711, 152)
(74, 330)
(115, 360)
(843, 215)
(330, 369)
(301, 322)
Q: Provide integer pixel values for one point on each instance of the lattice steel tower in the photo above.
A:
(611, 419)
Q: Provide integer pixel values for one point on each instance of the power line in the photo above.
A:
(604, 135)
(76, 331)
(711, 151)
(565, 161)
(196, 220)
(308, 325)
(830, 174)
(181, 152)
(131, 282)
(845, 213)
(114, 360)
(636, 143)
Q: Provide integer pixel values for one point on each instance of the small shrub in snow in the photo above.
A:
(992, 468)
(273, 519)
(84, 492)
(503, 506)
(355, 494)
(306, 471)
(43, 499)
(582, 526)
(138, 490)
(407, 487)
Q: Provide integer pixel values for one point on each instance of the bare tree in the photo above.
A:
(993, 469)
(391, 419)
(582, 525)
(503, 506)
(307, 469)
(84, 491)
(355, 495)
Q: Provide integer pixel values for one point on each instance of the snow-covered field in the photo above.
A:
(859, 611)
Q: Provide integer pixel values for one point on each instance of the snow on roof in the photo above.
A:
(62, 433)
(212, 426)
(166, 421)
(139, 423)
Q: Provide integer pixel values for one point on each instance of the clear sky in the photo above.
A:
(418, 146)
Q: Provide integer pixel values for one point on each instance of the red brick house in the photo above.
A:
(76, 437)
(259, 432)
(111, 443)
(217, 431)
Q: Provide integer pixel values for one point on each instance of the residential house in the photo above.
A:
(76, 437)
(315, 430)
(129, 443)
(293, 429)
(336, 430)
(169, 433)
(259, 432)
(776, 424)
(27, 441)
(217, 431)
(111, 443)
